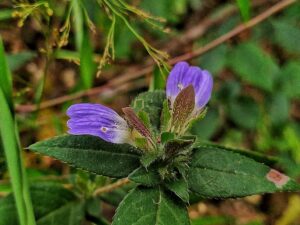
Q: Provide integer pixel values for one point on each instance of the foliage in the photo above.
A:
(176, 168)
(255, 105)
(59, 206)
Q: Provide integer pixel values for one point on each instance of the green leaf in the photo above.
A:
(39, 90)
(252, 65)
(93, 207)
(279, 109)
(124, 40)
(167, 136)
(71, 213)
(151, 206)
(180, 188)
(152, 103)
(5, 77)
(168, 9)
(67, 55)
(15, 61)
(292, 13)
(158, 79)
(141, 143)
(292, 142)
(87, 65)
(148, 177)
(268, 160)
(217, 173)
(91, 153)
(194, 197)
(8, 213)
(234, 137)
(2, 160)
(244, 112)
(56, 197)
(289, 80)
(144, 118)
(6, 14)
(165, 117)
(214, 60)
(46, 206)
(229, 90)
(244, 6)
(178, 146)
(207, 127)
(78, 23)
(287, 36)
(149, 158)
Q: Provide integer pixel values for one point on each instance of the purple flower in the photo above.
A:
(183, 75)
(97, 120)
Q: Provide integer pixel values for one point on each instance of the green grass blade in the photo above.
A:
(244, 6)
(78, 22)
(12, 156)
(26, 192)
(17, 60)
(83, 45)
(5, 76)
(6, 14)
(158, 79)
(11, 145)
(39, 90)
(87, 65)
(67, 55)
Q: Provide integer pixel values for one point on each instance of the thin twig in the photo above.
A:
(121, 88)
(237, 30)
(185, 57)
(111, 187)
(198, 30)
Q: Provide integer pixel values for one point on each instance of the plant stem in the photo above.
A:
(111, 187)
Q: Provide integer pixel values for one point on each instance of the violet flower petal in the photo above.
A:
(182, 75)
(97, 120)
(174, 82)
(203, 92)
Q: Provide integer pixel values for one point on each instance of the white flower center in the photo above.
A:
(180, 86)
(104, 129)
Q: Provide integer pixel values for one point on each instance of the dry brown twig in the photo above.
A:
(235, 31)
(111, 187)
(115, 82)
(197, 30)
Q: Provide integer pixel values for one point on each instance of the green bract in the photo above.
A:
(174, 168)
